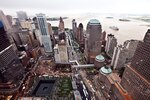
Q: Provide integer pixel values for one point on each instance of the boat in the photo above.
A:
(109, 17)
(126, 20)
(114, 28)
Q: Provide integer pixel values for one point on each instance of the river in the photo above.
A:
(134, 29)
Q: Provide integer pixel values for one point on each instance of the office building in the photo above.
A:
(93, 40)
(9, 18)
(26, 38)
(119, 57)
(110, 85)
(110, 45)
(45, 36)
(81, 37)
(5, 21)
(35, 22)
(26, 25)
(4, 41)
(61, 25)
(74, 28)
(131, 45)
(22, 16)
(136, 77)
(11, 70)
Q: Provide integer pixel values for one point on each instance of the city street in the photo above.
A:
(73, 55)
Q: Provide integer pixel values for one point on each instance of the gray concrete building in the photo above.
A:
(110, 45)
(74, 28)
(119, 57)
(131, 45)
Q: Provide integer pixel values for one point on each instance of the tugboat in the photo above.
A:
(114, 28)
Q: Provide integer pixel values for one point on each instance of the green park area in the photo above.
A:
(64, 87)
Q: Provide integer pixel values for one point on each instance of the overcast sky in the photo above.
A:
(75, 6)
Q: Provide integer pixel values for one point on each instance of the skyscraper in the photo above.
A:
(136, 77)
(22, 16)
(61, 25)
(45, 36)
(74, 27)
(131, 45)
(110, 44)
(11, 70)
(80, 36)
(93, 40)
(4, 41)
(119, 57)
(9, 18)
(5, 21)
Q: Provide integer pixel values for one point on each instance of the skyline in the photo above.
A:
(57, 7)
(97, 56)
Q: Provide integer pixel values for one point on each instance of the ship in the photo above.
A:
(109, 17)
(114, 28)
(126, 20)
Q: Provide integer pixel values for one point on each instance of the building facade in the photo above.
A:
(22, 16)
(110, 45)
(119, 57)
(131, 45)
(5, 21)
(45, 36)
(74, 27)
(93, 40)
(61, 25)
(136, 77)
(11, 70)
(80, 37)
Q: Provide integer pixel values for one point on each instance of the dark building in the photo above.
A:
(4, 41)
(61, 25)
(11, 70)
(110, 45)
(80, 37)
(136, 77)
(74, 28)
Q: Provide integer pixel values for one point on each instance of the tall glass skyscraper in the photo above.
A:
(45, 36)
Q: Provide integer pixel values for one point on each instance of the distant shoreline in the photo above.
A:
(145, 19)
(56, 18)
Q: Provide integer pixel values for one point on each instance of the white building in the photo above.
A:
(110, 44)
(131, 45)
(45, 36)
(119, 58)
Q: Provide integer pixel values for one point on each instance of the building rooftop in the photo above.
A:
(100, 58)
(105, 70)
(94, 22)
